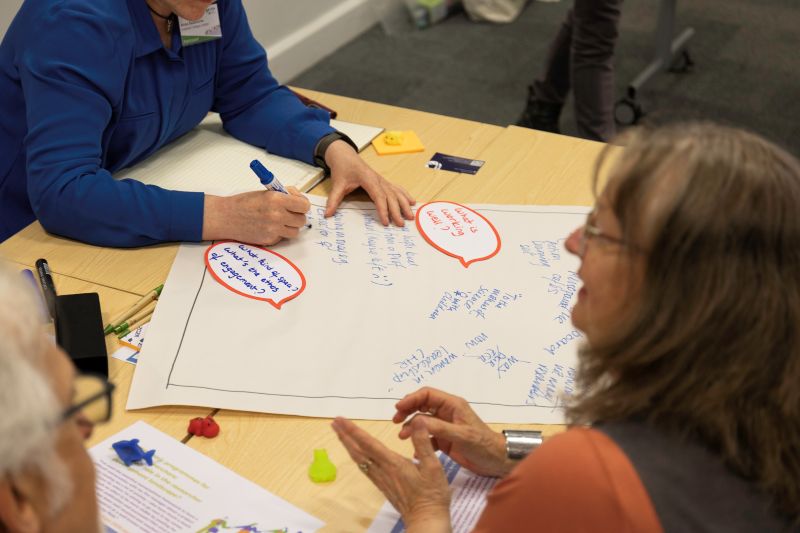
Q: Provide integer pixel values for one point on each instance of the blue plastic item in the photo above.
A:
(130, 452)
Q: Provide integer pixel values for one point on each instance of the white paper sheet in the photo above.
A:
(184, 491)
(131, 344)
(207, 159)
(382, 313)
(467, 502)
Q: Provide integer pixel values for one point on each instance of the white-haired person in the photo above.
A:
(47, 479)
(688, 411)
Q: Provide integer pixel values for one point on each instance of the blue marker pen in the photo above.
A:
(267, 178)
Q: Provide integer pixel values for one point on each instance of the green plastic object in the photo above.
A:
(322, 469)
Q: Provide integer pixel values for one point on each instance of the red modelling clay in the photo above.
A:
(203, 427)
(210, 428)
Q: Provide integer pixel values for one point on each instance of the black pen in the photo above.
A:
(48, 288)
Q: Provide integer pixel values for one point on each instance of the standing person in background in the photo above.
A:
(92, 87)
(581, 58)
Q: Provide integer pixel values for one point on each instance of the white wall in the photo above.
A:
(296, 33)
(8, 8)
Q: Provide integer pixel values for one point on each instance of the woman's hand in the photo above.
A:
(456, 430)
(349, 172)
(418, 491)
(261, 217)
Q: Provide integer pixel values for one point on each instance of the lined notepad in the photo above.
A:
(210, 160)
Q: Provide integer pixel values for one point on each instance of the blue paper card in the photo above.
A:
(454, 163)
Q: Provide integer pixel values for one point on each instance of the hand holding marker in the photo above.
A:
(268, 179)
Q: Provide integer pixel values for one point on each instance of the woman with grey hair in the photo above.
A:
(46, 475)
(688, 411)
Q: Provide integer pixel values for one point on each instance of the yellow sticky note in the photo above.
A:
(409, 142)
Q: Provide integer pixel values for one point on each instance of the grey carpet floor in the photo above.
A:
(746, 73)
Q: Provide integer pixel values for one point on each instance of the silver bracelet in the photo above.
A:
(520, 443)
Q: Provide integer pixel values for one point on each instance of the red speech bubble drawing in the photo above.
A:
(255, 272)
(458, 231)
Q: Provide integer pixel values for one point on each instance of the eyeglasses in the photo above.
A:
(92, 398)
(590, 231)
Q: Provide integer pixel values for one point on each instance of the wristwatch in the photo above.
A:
(520, 443)
(324, 143)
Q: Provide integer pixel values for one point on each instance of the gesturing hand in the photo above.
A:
(456, 430)
(349, 172)
(262, 217)
(419, 492)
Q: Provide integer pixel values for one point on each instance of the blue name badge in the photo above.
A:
(454, 163)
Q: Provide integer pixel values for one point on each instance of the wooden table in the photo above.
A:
(531, 167)
(522, 166)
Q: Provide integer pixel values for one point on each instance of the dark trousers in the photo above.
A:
(582, 58)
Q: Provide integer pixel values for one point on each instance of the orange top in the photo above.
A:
(579, 480)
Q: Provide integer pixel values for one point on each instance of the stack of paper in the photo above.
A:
(209, 160)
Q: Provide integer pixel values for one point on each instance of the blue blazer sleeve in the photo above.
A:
(73, 74)
(253, 106)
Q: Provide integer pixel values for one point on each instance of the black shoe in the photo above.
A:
(540, 115)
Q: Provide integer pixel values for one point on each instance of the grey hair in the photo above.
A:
(27, 399)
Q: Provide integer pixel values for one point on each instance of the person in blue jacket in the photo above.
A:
(89, 88)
